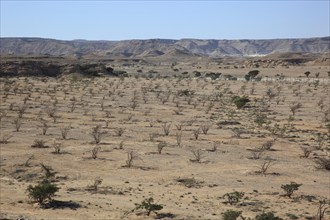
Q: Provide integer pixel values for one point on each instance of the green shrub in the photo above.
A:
(233, 197)
(148, 205)
(42, 192)
(231, 215)
(267, 216)
(290, 188)
(240, 102)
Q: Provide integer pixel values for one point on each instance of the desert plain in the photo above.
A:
(170, 131)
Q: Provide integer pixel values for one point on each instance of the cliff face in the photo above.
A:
(161, 47)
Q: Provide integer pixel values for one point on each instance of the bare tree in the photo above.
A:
(45, 127)
(95, 152)
(294, 106)
(18, 123)
(131, 156)
(119, 131)
(57, 147)
(265, 165)
(306, 151)
(166, 128)
(198, 154)
(178, 138)
(65, 131)
(205, 127)
(97, 134)
(5, 138)
(161, 146)
(196, 133)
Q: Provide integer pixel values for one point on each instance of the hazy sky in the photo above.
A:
(118, 20)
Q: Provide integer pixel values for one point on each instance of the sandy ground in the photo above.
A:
(159, 101)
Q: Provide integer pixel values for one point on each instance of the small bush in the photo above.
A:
(198, 154)
(166, 128)
(95, 152)
(49, 171)
(65, 131)
(149, 205)
(160, 147)
(39, 143)
(231, 215)
(5, 138)
(41, 192)
(240, 102)
(322, 163)
(131, 157)
(290, 188)
(233, 197)
(97, 134)
(267, 216)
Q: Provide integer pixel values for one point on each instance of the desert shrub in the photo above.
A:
(96, 184)
(231, 214)
(190, 182)
(306, 151)
(196, 133)
(240, 102)
(49, 171)
(260, 119)
(57, 147)
(267, 216)
(17, 123)
(198, 155)
(42, 192)
(215, 146)
(294, 106)
(95, 152)
(290, 188)
(166, 128)
(3, 114)
(233, 197)
(65, 131)
(185, 92)
(21, 110)
(52, 113)
(45, 127)
(178, 138)
(257, 153)
(131, 157)
(152, 136)
(5, 138)
(292, 216)
(322, 163)
(121, 145)
(307, 73)
(119, 131)
(97, 134)
(237, 132)
(149, 206)
(39, 143)
(265, 166)
(205, 128)
(251, 75)
(267, 145)
(160, 147)
(323, 206)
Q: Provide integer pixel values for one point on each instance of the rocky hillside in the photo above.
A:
(160, 47)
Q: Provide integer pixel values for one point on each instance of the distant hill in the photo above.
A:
(161, 47)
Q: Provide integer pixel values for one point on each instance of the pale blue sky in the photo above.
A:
(119, 20)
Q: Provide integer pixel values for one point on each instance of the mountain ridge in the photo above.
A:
(161, 48)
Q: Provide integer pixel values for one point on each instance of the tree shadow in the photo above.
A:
(165, 215)
(56, 204)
